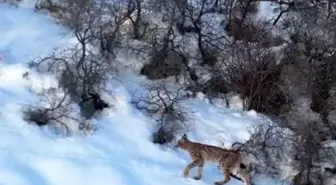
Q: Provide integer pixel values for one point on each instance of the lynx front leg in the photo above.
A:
(188, 168)
(200, 170)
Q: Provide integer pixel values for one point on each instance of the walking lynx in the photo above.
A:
(229, 161)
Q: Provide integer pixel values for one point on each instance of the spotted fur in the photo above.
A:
(229, 161)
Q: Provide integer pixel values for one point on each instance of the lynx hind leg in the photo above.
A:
(244, 173)
(226, 165)
(226, 172)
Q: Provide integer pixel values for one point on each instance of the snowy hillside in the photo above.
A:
(120, 152)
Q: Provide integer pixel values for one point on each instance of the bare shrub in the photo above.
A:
(95, 22)
(165, 106)
(314, 51)
(269, 147)
(242, 24)
(164, 60)
(55, 110)
(83, 69)
(253, 73)
(184, 23)
(311, 50)
(91, 103)
(135, 11)
(209, 56)
(196, 19)
(161, 66)
(215, 87)
(52, 7)
(242, 9)
(166, 50)
(252, 31)
(272, 147)
(77, 75)
(11, 2)
(110, 34)
(309, 152)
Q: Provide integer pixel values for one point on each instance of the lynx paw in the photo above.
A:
(197, 177)
(185, 174)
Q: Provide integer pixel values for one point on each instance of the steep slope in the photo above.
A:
(120, 152)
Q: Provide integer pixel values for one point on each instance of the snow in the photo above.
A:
(120, 152)
(266, 10)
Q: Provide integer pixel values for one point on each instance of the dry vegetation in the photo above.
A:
(283, 68)
(165, 105)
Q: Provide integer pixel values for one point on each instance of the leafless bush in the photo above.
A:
(312, 49)
(52, 7)
(91, 103)
(312, 154)
(196, 19)
(168, 50)
(252, 31)
(56, 110)
(83, 69)
(78, 75)
(94, 22)
(165, 105)
(161, 66)
(215, 87)
(11, 2)
(164, 61)
(269, 145)
(169, 45)
(272, 147)
(253, 73)
(309, 152)
(135, 11)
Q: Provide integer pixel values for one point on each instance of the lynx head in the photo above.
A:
(183, 141)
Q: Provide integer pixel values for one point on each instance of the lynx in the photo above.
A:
(229, 161)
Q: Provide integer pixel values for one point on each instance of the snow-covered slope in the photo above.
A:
(120, 153)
